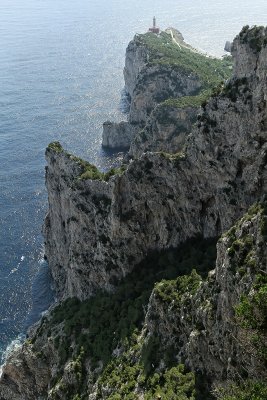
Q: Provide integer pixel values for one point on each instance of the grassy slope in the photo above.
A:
(210, 71)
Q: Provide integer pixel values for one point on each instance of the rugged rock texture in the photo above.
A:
(136, 59)
(206, 324)
(97, 231)
(77, 229)
(228, 46)
(120, 135)
(157, 83)
(99, 226)
(166, 130)
(138, 56)
(26, 376)
(153, 75)
(117, 135)
(202, 321)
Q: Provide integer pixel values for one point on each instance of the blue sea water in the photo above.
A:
(61, 75)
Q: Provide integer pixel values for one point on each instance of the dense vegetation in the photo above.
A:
(106, 329)
(189, 101)
(248, 390)
(210, 71)
(101, 323)
(121, 377)
(98, 326)
(247, 253)
(254, 37)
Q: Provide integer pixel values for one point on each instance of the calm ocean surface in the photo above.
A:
(61, 64)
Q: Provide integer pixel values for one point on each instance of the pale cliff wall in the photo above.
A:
(136, 58)
(117, 135)
(166, 130)
(201, 323)
(96, 231)
(151, 78)
(160, 200)
(120, 135)
(158, 83)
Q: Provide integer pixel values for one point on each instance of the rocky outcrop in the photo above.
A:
(158, 83)
(166, 130)
(139, 55)
(117, 135)
(203, 321)
(154, 73)
(97, 231)
(78, 227)
(209, 325)
(228, 46)
(26, 375)
(136, 59)
(100, 226)
(120, 135)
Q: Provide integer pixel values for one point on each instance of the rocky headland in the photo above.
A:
(160, 69)
(149, 306)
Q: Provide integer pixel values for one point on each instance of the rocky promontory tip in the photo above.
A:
(161, 68)
(117, 135)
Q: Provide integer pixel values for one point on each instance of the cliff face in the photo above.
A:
(158, 83)
(117, 135)
(166, 130)
(136, 58)
(77, 229)
(215, 327)
(120, 135)
(102, 232)
(210, 323)
(109, 227)
(157, 68)
(26, 375)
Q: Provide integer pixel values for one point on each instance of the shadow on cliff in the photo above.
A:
(100, 324)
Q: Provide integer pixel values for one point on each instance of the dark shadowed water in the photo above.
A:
(61, 64)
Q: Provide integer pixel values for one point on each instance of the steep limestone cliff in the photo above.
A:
(124, 228)
(214, 327)
(161, 199)
(117, 135)
(166, 130)
(159, 67)
(219, 325)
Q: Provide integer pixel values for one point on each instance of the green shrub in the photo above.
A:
(95, 327)
(88, 170)
(173, 291)
(248, 390)
(210, 71)
(251, 314)
(56, 146)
